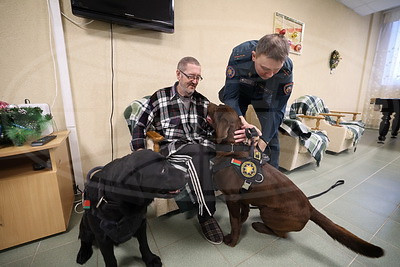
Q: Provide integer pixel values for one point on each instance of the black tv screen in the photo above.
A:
(155, 15)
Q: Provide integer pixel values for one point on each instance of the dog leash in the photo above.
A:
(251, 132)
(339, 182)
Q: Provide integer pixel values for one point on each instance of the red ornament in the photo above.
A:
(297, 48)
(282, 32)
(3, 104)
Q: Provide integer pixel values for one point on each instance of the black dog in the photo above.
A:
(116, 200)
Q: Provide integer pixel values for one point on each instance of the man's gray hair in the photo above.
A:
(187, 60)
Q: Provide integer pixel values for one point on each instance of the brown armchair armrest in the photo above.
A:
(317, 118)
(348, 112)
(156, 138)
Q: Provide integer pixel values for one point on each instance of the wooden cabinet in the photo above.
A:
(35, 203)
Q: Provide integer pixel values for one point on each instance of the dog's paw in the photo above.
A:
(84, 254)
(155, 261)
(228, 240)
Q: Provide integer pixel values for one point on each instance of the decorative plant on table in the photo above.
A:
(19, 125)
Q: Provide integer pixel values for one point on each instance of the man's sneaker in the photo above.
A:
(212, 232)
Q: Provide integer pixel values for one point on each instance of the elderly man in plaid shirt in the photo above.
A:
(179, 114)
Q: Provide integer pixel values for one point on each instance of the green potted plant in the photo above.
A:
(20, 125)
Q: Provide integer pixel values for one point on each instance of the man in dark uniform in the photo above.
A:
(260, 73)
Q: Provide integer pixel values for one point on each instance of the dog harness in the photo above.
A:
(249, 168)
(119, 221)
(119, 224)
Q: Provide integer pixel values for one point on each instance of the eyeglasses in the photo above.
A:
(192, 77)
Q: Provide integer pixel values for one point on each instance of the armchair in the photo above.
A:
(342, 134)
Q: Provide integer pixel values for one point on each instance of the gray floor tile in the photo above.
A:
(356, 263)
(387, 153)
(250, 243)
(354, 214)
(63, 256)
(19, 263)
(390, 232)
(192, 251)
(352, 173)
(396, 215)
(269, 256)
(308, 249)
(376, 190)
(17, 253)
(389, 177)
(396, 162)
(170, 229)
(127, 254)
(69, 236)
(371, 202)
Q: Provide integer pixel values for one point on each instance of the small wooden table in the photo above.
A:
(388, 107)
(35, 204)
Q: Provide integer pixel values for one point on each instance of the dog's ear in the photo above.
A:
(222, 130)
(211, 110)
(212, 106)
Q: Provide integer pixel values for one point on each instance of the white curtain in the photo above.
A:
(385, 76)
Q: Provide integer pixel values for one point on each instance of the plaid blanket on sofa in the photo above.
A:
(313, 105)
(316, 142)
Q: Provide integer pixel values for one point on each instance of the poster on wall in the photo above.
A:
(292, 29)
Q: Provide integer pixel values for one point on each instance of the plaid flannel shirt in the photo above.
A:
(166, 114)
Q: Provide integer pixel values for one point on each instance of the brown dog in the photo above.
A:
(283, 206)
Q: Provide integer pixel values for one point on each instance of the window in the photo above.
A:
(391, 71)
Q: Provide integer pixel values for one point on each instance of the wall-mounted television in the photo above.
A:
(155, 15)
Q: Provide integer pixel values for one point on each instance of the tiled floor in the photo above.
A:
(368, 204)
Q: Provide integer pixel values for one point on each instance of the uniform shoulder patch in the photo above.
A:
(230, 72)
(287, 88)
(239, 56)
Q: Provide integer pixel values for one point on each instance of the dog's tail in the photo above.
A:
(344, 237)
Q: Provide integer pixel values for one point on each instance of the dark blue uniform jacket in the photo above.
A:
(243, 86)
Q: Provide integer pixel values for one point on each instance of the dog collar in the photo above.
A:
(232, 147)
